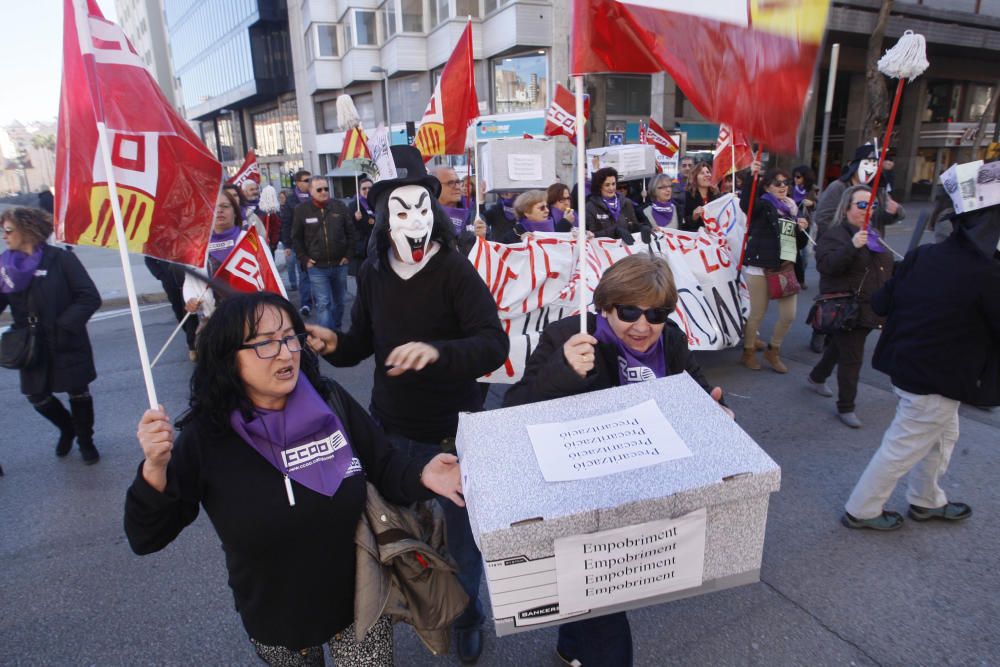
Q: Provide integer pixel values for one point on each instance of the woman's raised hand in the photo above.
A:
(579, 353)
(156, 436)
(860, 239)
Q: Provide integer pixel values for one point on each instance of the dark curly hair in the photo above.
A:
(216, 386)
(34, 223)
(598, 178)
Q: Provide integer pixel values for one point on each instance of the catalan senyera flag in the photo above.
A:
(732, 146)
(355, 146)
(656, 136)
(561, 116)
(453, 106)
(250, 267)
(167, 180)
(249, 171)
(746, 63)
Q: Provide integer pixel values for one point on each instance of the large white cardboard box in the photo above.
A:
(560, 551)
(516, 165)
(631, 161)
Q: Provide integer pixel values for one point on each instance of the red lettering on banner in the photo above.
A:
(723, 256)
(704, 260)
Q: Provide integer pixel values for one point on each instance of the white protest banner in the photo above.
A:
(378, 144)
(636, 437)
(534, 282)
(631, 563)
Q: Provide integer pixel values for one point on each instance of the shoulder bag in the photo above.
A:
(19, 346)
(782, 282)
(837, 311)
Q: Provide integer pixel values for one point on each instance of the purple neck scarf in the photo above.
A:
(367, 208)
(798, 194)
(633, 366)
(220, 244)
(305, 440)
(17, 269)
(557, 215)
(508, 208)
(614, 205)
(302, 196)
(249, 207)
(663, 214)
(874, 240)
(544, 226)
(779, 204)
(457, 217)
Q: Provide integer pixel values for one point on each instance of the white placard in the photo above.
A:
(636, 437)
(631, 563)
(523, 167)
(633, 161)
(378, 144)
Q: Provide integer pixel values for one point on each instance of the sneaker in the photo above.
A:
(884, 521)
(949, 512)
(305, 311)
(849, 418)
(821, 388)
(572, 662)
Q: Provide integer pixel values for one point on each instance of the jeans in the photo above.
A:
(297, 277)
(329, 290)
(605, 641)
(461, 544)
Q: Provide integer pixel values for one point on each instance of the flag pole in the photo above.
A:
(581, 202)
(357, 189)
(475, 158)
(170, 339)
(831, 84)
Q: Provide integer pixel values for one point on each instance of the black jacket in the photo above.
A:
(764, 243)
(325, 235)
(362, 228)
(286, 213)
(499, 227)
(548, 375)
(844, 268)
(64, 297)
(602, 223)
(691, 202)
(942, 330)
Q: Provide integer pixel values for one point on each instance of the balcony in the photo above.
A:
(324, 74)
(405, 53)
(518, 24)
(357, 63)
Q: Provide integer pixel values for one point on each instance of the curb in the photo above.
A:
(114, 303)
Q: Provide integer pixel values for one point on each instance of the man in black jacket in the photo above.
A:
(297, 278)
(941, 347)
(325, 238)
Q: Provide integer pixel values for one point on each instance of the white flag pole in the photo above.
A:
(170, 339)
(475, 159)
(732, 153)
(581, 202)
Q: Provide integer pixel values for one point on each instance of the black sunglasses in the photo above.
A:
(322, 189)
(780, 183)
(632, 313)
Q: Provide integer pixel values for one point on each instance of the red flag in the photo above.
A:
(355, 146)
(745, 64)
(656, 136)
(167, 180)
(250, 267)
(722, 159)
(249, 171)
(453, 106)
(561, 116)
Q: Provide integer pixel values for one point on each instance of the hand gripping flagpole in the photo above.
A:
(753, 198)
(581, 201)
(906, 60)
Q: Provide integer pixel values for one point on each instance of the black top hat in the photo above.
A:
(862, 152)
(410, 170)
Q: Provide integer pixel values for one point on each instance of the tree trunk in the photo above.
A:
(988, 115)
(876, 96)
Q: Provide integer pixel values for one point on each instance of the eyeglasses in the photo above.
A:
(8, 230)
(780, 184)
(542, 207)
(863, 205)
(322, 189)
(304, 180)
(631, 314)
(452, 184)
(565, 199)
(269, 349)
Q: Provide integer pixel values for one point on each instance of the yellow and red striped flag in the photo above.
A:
(355, 146)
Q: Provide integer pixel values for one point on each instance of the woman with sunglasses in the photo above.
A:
(775, 215)
(629, 339)
(850, 259)
(286, 515)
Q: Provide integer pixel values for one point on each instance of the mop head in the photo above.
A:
(347, 113)
(907, 59)
(269, 199)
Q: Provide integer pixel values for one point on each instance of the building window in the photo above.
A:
(521, 82)
(465, 8)
(267, 132)
(413, 15)
(979, 100)
(942, 102)
(441, 10)
(208, 136)
(361, 30)
(489, 6)
(389, 19)
(326, 113)
(325, 40)
(628, 95)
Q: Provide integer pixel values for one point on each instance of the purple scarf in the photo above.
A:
(18, 268)
(365, 206)
(306, 440)
(633, 366)
(779, 204)
(614, 205)
(544, 226)
(874, 243)
(249, 207)
(457, 217)
(508, 208)
(663, 214)
(798, 194)
(220, 244)
(557, 215)
(301, 196)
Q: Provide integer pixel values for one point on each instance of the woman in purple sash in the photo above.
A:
(661, 210)
(560, 207)
(226, 233)
(278, 457)
(629, 339)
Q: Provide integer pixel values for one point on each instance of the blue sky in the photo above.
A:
(31, 58)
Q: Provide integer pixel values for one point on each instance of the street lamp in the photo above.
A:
(385, 80)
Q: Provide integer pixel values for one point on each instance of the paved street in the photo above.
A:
(72, 593)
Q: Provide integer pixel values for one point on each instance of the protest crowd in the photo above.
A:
(409, 272)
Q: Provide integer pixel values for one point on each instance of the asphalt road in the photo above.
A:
(72, 593)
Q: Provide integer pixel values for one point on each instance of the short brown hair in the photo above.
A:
(640, 279)
(555, 193)
(33, 223)
(527, 200)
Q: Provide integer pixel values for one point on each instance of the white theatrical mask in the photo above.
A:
(411, 219)
(866, 171)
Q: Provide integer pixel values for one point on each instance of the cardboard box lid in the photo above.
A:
(504, 484)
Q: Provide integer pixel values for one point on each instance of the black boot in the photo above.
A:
(52, 409)
(83, 421)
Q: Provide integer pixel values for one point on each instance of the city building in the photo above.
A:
(27, 157)
(142, 23)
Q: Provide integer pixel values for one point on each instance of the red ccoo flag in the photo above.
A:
(250, 171)
(729, 146)
(355, 146)
(747, 64)
(250, 267)
(561, 116)
(656, 136)
(453, 106)
(167, 180)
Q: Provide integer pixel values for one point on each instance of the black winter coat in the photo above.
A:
(499, 227)
(844, 268)
(602, 223)
(362, 228)
(942, 329)
(64, 297)
(325, 235)
(548, 375)
(691, 202)
(764, 242)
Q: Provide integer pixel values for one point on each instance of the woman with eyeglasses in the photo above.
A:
(259, 411)
(850, 259)
(609, 213)
(661, 210)
(699, 191)
(775, 235)
(560, 207)
(629, 339)
(49, 286)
